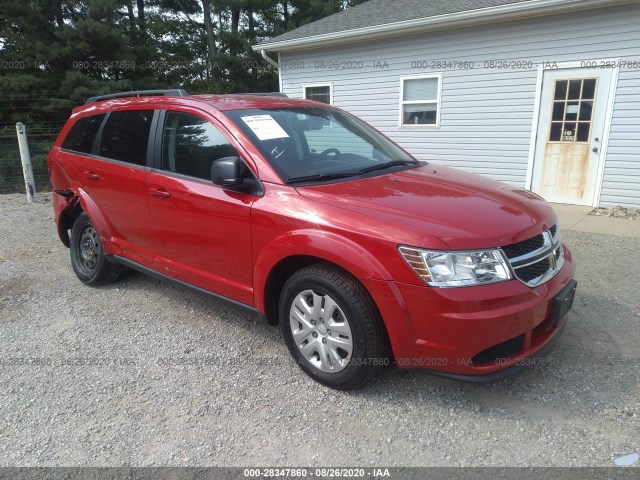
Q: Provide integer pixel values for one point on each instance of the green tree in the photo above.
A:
(59, 52)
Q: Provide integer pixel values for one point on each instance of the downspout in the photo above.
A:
(275, 64)
(269, 59)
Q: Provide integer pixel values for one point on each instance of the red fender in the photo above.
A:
(325, 245)
(64, 207)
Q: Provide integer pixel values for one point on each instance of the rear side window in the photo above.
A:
(190, 144)
(126, 135)
(83, 133)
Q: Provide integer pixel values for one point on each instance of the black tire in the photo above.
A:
(87, 254)
(355, 309)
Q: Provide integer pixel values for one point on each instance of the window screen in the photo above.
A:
(126, 135)
(83, 133)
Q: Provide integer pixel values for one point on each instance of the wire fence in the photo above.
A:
(40, 141)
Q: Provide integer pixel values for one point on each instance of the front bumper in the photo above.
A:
(472, 333)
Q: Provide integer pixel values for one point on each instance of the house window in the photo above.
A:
(322, 93)
(420, 101)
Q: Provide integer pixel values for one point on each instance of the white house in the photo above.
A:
(543, 94)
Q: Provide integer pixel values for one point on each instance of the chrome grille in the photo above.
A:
(536, 260)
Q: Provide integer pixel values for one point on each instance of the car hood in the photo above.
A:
(463, 210)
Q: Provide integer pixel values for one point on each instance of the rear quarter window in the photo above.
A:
(83, 134)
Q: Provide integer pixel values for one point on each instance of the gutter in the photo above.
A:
(263, 52)
(468, 17)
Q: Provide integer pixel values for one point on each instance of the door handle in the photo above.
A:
(160, 193)
(595, 150)
(92, 175)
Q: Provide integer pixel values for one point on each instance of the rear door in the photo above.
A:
(115, 177)
(67, 168)
(201, 234)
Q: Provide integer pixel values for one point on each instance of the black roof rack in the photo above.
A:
(260, 94)
(176, 92)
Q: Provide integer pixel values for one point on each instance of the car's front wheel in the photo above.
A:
(332, 327)
(87, 254)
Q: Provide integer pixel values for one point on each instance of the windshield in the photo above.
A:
(318, 144)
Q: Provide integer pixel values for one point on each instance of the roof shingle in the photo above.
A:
(382, 12)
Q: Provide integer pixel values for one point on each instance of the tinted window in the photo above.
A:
(190, 145)
(83, 133)
(126, 135)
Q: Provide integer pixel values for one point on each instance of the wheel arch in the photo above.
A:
(82, 202)
(66, 217)
(294, 251)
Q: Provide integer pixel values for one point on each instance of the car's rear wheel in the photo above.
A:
(332, 327)
(87, 254)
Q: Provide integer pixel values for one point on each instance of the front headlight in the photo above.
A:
(457, 269)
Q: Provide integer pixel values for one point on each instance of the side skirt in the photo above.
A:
(245, 309)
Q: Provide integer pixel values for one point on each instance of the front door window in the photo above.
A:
(572, 110)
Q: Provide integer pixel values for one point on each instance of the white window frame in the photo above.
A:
(438, 101)
(313, 85)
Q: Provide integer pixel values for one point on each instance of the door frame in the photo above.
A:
(542, 68)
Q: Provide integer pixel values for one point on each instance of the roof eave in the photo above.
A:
(469, 17)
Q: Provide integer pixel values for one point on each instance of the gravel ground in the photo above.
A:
(140, 407)
(617, 212)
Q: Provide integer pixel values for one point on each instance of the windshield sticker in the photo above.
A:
(265, 127)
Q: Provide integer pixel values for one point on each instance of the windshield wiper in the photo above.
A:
(392, 163)
(321, 177)
(333, 176)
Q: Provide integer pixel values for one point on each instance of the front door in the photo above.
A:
(571, 127)
(201, 233)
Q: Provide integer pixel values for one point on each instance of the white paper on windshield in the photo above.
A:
(265, 127)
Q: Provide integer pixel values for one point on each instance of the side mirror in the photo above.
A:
(228, 172)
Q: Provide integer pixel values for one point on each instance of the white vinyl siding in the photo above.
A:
(621, 184)
(486, 114)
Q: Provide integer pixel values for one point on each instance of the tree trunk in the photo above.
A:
(57, 12)
(141, 19)
(252, 39)
(132, 17)
(208, 26)
(252, 25)
(235, 20)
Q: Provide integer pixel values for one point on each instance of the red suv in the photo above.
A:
(305, 215)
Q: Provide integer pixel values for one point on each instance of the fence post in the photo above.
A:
(27, 169)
